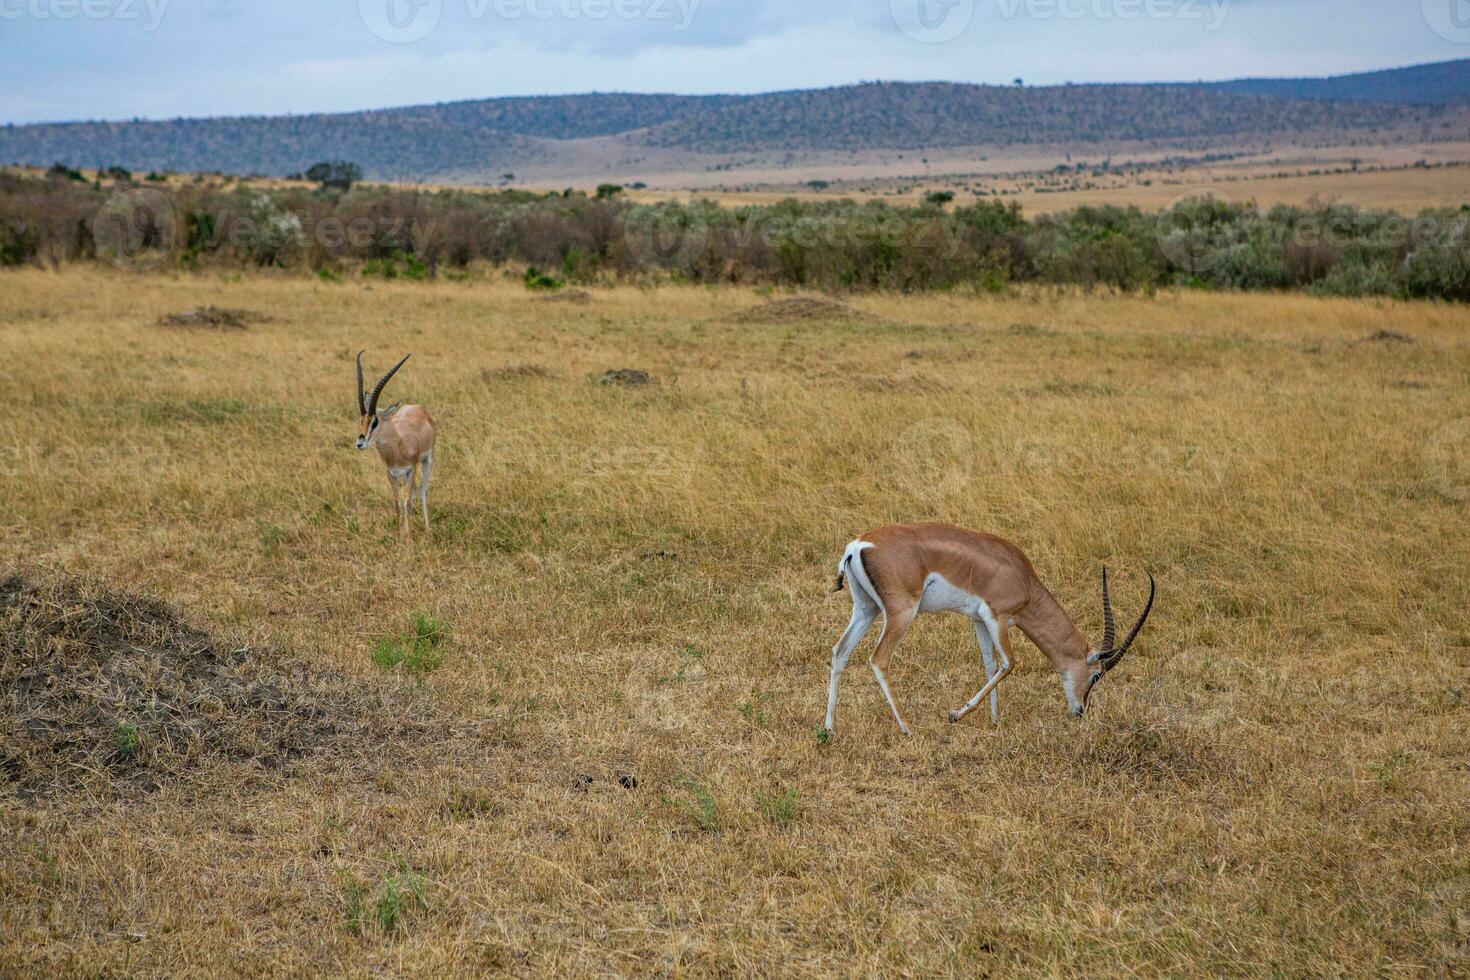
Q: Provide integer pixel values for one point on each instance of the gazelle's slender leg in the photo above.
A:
(1002, 643)
(425, 466)
(407, 514)
(896, 624)
(987, 653)
(402, 481)
(864, 611)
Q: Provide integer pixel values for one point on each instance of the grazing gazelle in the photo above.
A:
(906, 569)
(404, 437)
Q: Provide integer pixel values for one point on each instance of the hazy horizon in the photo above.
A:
(69, 60)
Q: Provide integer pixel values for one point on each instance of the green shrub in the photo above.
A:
(20, 242)
(1438, 272)
(535, 279)
(399, 264)
(821, 243)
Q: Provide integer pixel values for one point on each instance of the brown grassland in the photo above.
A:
(636, 583)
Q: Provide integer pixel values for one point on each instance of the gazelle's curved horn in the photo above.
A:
(1109, 628)
(361, 401)
(1110, 658)
(372, 405)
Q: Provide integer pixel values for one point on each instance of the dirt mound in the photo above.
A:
(1386, 337)
(1154, 750)
(117, 692)
(565, 296)
(215, 317)
(800, 309)
(516, 372)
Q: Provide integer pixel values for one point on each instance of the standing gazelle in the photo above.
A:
(906, 569)
(404, 437)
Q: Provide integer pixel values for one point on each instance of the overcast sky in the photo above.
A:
(118, 59)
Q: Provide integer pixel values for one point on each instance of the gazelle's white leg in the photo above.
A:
(864, 611)
(987, 653)
(998, 637)
(402, 480)
(426, 465)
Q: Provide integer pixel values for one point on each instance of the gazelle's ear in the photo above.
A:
(384, 413)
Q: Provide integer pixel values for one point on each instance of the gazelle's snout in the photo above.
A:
(368, 430)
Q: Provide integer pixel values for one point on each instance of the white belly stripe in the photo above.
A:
(940, 595)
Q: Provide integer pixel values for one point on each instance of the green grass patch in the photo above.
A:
(418, 651)
(125, 739)
(398, 895)
(700, 805)
(779, 808)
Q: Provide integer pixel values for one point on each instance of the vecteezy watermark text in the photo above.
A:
(405, 21)
(149, 12)
(1211, 13)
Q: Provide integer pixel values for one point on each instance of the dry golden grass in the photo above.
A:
(1407, 191)
(636, 583)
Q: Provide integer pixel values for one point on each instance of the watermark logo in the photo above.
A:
(1196, 230)
(136, 229)
(668, 690)
(933, 458)
(932, 21)
(400, 21)
(1446, 459)
(668, 237)
(1210, 13)
(148, 13)
(406, 21)
(1450, 19)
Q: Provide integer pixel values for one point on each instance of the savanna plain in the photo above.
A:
(577, 723)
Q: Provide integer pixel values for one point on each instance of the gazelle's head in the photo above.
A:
(1083, 677)
(367, 406)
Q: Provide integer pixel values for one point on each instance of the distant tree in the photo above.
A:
(1019, 82)
(506, 178)
(609, 190)
(638, 185)
(118, 173)
(334, 174)
(61, 171)
(940, 198)
(817, 185)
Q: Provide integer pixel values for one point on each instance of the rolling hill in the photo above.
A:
(477, 140)
(1443, 83)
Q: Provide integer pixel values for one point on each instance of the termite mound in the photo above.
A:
(110, 693)
(213, 317)
(801, 309)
